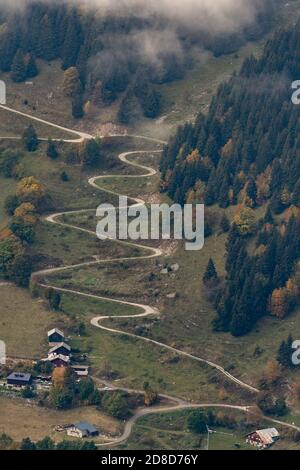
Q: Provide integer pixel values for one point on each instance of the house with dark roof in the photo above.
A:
(61, 348)
(56, 336)
(18, 379)
(82, 430)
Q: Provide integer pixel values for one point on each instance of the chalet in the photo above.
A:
(82, 430)
(263, 438)
(55, 336)
(81, 371)
(61, 348)
(17, 379)
(58, 360)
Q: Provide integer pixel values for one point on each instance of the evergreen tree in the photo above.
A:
(268, 219)
(252, 191)
(296, 194)
(225, 224)
(18, 69)
(148, 97)
(8, 49)
(52, 151)
(285, 352)
(210, 273)
(27, 444)
(129, 108)
(30, 139)
(54, 299)
(196, 422)
(77, 107)
(47, 41)
(31, 67)
(72, 42)
(64, 177)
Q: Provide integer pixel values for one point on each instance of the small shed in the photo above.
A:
(81, 371)
(82, 430)
(56, 336)
(17, 379)
(61, 348)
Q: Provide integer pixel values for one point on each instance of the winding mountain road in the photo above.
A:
(147, 310)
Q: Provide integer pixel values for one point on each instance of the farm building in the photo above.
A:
(82, 430)
(61, 348)
(56, 336)
(17, 379)
(58, 360)
(263, 438)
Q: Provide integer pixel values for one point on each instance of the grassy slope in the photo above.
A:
(24, 323)
(43, 94)
(21, 421)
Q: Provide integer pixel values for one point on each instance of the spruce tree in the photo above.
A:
(52, 151)
(30, 139)
(18, 69)
(225, 223)
(268, 219)
(77, 107)
(129, 108)
(31, 68)
(296, 194)
(210, 273)
(47, 41)
(72, 42)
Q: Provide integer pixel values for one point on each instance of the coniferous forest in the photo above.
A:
(109, 52)
(246, 153)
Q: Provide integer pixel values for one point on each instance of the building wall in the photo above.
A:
(56, 338)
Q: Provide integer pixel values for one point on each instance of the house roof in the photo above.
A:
(268, 435)
(52, 357)
(84, 426)
(56, 330)
(19, 376)
(60, 345)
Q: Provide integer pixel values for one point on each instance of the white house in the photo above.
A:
(82, 430)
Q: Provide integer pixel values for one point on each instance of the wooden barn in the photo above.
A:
(263, 438)
(56, 336)
(61, 348)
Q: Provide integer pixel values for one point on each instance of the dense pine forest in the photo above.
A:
(246, 152)
(110, 53)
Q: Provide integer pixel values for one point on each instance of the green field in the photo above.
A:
(24, 323)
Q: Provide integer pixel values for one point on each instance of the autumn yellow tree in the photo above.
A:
(30, 190)
(27, 212)
(272, 372)
(244, 220)
(72, 84)
(283, 300)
